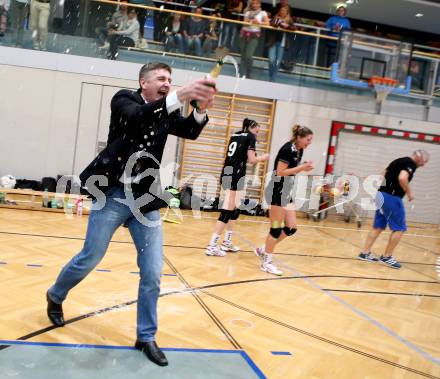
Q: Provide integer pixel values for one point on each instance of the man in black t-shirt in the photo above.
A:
(390, 210)
(241, 149)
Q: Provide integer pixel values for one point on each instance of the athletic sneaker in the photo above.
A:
(259, 252)
(367, 257)
(228, 246)
(390, 262)
(214, 251)
(269, 267)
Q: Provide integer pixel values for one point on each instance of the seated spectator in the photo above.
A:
(124, 37)
(249, 36)
(4, 7)
(20, 10)
(173, 34)
(230, 28)
(118, 22)
(142, 16)
(211, 36)
(276, 40)
(194, 31)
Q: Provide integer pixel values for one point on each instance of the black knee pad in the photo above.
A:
(235, 214)
(289, 231)
(275, 232)
(225, 215)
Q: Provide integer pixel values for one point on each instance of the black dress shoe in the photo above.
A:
(54, 312)
(153, 352)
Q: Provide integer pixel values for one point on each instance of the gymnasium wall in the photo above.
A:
(54, 109)
(319, 119)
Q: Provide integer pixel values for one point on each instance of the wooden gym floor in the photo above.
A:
(329, 316)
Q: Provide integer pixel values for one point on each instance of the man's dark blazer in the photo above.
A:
(136, 126)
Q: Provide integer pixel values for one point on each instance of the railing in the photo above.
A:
(307, 51)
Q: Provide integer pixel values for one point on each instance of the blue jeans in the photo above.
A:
(196, 42)
(301, 50)
(148, 241)
(229, 33)
(276, 52)
(175, 41)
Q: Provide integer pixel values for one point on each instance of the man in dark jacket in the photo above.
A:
(125, 183)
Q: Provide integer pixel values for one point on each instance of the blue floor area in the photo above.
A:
(33, 360)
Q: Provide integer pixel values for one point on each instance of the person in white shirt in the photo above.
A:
(125, 37)
(249, 35)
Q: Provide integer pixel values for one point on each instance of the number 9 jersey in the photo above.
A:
(236, 159)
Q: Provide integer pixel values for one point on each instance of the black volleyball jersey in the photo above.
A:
(391, 184)
(237, 152)
(288, 154)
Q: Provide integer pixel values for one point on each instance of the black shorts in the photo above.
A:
(233, 182)
(279, 194)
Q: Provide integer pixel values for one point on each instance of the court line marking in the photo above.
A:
(323, 227)
(243, 354)
(381, 292)
(360, 247)
(318, 337)
(420, 247)
(187, 290)
(365, 316)
(202, 289)
(199, 247)
(355, 310)
(217, 321)
(310, 226)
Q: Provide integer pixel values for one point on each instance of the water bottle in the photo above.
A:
(79, 207)
(46, 198)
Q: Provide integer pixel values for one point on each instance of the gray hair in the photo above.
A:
(146, 68)
(423, 154)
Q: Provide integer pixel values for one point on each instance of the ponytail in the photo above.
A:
(248, 123)
(300, 131)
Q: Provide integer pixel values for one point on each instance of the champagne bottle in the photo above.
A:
(215, 72)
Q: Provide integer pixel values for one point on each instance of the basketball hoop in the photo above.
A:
(383, 86)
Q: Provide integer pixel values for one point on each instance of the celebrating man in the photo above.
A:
(127, 172)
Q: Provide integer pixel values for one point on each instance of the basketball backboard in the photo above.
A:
(361, 57)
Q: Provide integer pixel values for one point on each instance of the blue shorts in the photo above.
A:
(391, 212)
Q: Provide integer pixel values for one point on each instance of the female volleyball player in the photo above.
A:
(241, 149)
(282, 208)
